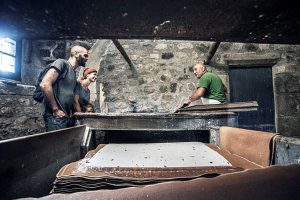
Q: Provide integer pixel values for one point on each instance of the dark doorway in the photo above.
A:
(154, 136)
(254, 84)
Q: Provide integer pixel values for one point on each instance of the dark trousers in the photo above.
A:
(53, 123)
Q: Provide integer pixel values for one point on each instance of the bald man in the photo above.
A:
(58, 86)
(210, 88)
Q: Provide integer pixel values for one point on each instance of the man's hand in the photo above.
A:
(77, 113)
(186, 103)
(58, 113)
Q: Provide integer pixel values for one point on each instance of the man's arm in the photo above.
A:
(76, 103)
(46, 86)
(197, 95)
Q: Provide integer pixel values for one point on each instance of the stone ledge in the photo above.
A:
(251, 59)
(12, 88)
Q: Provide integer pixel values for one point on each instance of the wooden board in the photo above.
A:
(233, 107)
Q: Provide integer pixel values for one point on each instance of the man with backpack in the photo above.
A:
(58, 87)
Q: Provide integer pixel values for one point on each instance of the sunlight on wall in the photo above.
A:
(7, 55)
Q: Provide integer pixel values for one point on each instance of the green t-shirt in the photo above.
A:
(213, 85)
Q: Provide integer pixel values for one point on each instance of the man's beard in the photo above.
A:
(80, 61)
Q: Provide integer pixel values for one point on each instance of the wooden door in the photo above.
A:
(253, 84)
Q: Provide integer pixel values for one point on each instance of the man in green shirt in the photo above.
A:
(210, 87)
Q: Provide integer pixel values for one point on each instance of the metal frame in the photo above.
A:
(28, 164)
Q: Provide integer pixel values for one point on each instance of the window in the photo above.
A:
(10, 51)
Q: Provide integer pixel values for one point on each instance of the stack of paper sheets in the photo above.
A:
(114, 166)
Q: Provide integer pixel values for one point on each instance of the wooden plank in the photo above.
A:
(234, 107)
(214, 113)
(230, 110)
(225, 105)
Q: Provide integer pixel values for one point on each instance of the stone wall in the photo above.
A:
(19, 113)
(37, 54)
(162, 75)
(158, 80)
(285, 60)
(287, 97)
(163, 70)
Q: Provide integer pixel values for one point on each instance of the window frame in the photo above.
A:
(17, 74)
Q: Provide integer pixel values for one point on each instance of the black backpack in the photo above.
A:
(38, 93)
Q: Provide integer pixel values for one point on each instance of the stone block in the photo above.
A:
(183, 77)
(167, 55)
(202, 47)
(289, 126)
(147, 43)
(168, 97)
(237, 46)
(121, 105)
(279, 83)
(191, 86)
(154, 56)
(264, 46)
(147, 79)
(181, 89)
(32, 111)
(287, 82)
(287, 150)
(114, 92)
(59, 51)
(153, 98)
(173, 87)
(214, 135)
(251, 47)
(185, 45)
(111, 67)
(287, 104)
(134, 57)
(149, 89)
(190, 68)
(251, 59)
(50, 43)
(165, 77)
(225, 46)
(141, 81)
(182, 55)
(133, 82)
(161, 46)
(24, 101)
(19, 121)
(132, 98)
(45, 53)
(6, 112)
(15, 89)
(286, 67)
(163, 89)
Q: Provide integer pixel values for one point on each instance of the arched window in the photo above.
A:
(10, 58)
